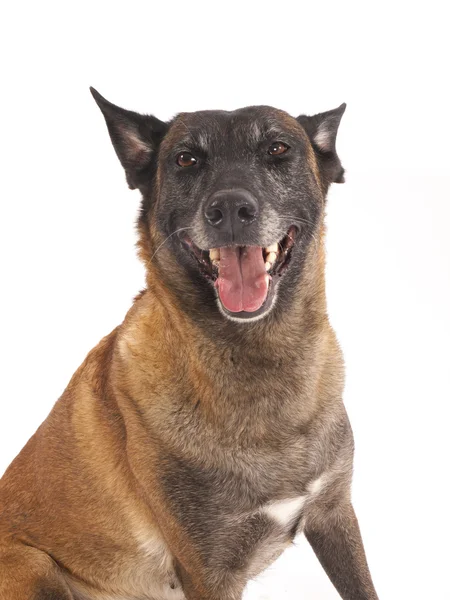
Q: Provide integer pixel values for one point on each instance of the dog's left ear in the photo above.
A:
(135, 137)
(322, 131)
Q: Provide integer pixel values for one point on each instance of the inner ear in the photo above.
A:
(325, 137)
(135, 137)
(322, 131)
(135, 145)
(322, 128)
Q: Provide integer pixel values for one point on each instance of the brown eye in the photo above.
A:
(278, 148)
(185, 159)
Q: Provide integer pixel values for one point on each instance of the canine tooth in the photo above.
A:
(271, 257)
(272, 248)
(268, 266)
(214, 254)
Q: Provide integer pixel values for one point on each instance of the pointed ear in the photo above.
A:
(322, 131)
(135, 137)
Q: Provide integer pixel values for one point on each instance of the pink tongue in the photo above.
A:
(243, 281)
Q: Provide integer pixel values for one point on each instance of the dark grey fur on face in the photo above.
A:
(231, 152)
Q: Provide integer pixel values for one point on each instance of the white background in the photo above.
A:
(68, 265)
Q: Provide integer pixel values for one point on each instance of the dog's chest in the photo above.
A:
(247, 540)
(270, 527)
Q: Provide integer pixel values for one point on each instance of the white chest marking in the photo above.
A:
(284, 511)
(316, 486)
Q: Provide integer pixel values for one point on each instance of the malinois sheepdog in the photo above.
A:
(208, 429)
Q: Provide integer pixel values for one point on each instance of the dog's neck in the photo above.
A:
(285, 329)
(229, 366)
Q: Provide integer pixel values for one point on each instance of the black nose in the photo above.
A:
(231, 208)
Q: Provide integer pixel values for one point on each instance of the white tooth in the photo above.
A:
(272, 248)
(215, 263)
(271, 257)
(268, 266)
(214, 254)
(267, 279)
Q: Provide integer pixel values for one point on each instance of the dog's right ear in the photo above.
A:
(135, 137)
(322, 131)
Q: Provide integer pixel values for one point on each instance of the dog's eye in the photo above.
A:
(185, 159)
(277, 148)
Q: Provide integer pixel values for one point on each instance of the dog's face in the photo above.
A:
(237, 196)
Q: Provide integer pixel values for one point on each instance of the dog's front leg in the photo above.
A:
(334, 535)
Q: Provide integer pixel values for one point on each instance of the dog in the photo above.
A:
(206, 431)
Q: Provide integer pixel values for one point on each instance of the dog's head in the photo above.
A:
(231, 200)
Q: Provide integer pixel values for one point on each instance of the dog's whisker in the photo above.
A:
(169, 236)
(299, 219)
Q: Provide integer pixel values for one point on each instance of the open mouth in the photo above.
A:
(244, 276)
